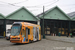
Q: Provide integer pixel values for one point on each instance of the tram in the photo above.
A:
(24, 32)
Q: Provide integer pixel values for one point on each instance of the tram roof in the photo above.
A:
(27, 23)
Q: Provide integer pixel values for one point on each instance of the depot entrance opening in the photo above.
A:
(2, 27)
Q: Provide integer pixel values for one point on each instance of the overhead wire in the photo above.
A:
(40, 5)
(51, 3)
(20, 2)
(13, 3)
(45, 3)
(25, 6)
(37, 6)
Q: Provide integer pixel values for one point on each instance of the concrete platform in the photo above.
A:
(61, 38)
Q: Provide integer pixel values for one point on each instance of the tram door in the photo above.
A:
(34, 34)
(27, 32)
(38, 33)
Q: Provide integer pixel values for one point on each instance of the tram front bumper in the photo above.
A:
(15, 40)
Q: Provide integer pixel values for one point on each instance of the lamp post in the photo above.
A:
(43, 24)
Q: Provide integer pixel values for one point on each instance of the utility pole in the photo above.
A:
(43, 24)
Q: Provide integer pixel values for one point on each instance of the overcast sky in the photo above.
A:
(35, 6)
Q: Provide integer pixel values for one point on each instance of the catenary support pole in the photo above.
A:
(43, 24)
(69, 26)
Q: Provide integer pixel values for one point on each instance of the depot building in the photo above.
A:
(20, 15)
(55, 21)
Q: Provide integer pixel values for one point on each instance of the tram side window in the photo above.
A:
(28, 31)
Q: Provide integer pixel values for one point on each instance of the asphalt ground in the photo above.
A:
(44, 44)
(61, 38)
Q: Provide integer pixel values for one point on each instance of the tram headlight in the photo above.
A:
(10, 36)
(18, 36)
